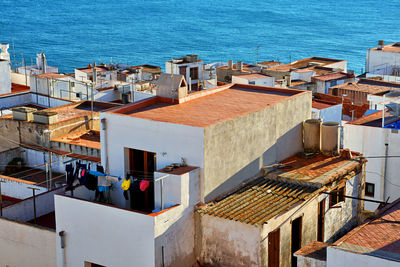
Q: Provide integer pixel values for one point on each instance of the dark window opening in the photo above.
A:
(337, 196)
(370, 190)
(194, 73)
(321, 221)
(142, 165)
(182, 71)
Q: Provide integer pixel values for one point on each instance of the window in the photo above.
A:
(369, 190)
(252, 82)
(337, 195)
(78, 95)
(90, 264)
(194, 73)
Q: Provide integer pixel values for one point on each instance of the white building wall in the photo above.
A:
(103, 234)
(17, 188)
(19, 78)
(341, 258)
(338, 65)
(267, 81)
(169, 141)
(381, 62)
(5, 77)
(333, 113)
(26, 245)
(371, 141)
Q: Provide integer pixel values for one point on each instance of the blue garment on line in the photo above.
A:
(96, 173)
(103, 188)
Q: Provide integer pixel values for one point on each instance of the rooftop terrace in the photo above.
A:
(208, 107)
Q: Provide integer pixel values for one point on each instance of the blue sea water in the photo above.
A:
(74, 33)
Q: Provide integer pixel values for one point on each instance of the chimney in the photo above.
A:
(380, 44)
(23, 113)
(44, 62)
(230, 64)
(4, 52)
(239, 66)
(45, 117)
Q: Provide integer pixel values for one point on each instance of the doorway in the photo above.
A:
(273, 248)
(321, 221)
(296, 238)
(142, 165)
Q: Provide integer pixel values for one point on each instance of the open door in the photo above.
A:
(142, 165)
(273, 248)
(321, 220)
(296, 238)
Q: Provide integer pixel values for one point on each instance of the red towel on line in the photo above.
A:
(143, 185)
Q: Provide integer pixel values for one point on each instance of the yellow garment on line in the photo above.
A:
(126, 184)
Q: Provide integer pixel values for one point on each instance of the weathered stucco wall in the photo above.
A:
(309, 213)
(26, 245)
(342, 217)
(235, 150)
(224, 243)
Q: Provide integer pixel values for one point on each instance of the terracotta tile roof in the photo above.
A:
(378, 237)
(317, 170)
(369, 86)
(89, 139)
(315, 250)
(259, 201)
(17, 89)
(252, 76)
(209, 107)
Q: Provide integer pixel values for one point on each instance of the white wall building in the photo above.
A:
(256, 79)
(140, 138)
(377, 144)
(384, 59)
(40, 67)
(194, 71)
(5, 77)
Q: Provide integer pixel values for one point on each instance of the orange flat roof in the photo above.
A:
(216, 105)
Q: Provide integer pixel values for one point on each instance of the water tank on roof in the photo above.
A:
(312, 135)
(330, 138)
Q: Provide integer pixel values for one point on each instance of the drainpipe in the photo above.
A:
(62, 238)
(104, 148)
(385, 170)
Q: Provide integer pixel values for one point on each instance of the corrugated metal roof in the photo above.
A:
(259, 201)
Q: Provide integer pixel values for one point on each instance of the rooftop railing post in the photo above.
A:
(34, 202)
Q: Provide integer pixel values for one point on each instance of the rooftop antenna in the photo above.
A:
(172, 79)
(257, 48)
(15, 66)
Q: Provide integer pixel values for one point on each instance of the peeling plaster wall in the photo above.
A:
(225, 243)
(342, 217)
(309, 212)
